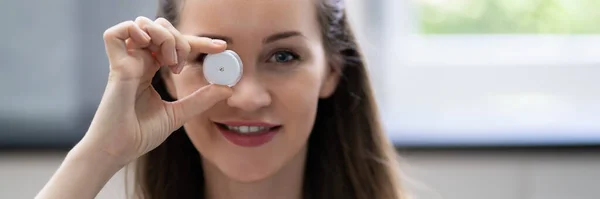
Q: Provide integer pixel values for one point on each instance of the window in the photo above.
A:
(488, 72)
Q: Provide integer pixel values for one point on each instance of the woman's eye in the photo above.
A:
(200, 58)
(283, 57)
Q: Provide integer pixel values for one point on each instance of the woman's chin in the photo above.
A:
(246, 174)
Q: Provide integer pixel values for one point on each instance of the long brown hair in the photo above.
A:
(348, 156)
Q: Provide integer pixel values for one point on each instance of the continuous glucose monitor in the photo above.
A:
(223, 68)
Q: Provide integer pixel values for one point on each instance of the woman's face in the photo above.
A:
(265, 124)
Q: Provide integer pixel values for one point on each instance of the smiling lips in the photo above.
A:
(248, 134)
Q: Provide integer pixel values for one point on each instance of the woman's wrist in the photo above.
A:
(84, 154)
(83, 173)
(94, 147)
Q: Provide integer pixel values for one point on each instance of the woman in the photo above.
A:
(301, 123)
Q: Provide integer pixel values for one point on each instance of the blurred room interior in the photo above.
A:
(484, 99)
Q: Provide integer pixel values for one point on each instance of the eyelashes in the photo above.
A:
(200, 58)
(284, 57)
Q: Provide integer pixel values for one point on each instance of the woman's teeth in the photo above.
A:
(248, 129)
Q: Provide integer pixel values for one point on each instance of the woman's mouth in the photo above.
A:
(247, 129)
(248, 134)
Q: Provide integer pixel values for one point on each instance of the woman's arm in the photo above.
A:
(83, 173)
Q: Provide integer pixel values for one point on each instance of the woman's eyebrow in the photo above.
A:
(282, 35)
(269, 39)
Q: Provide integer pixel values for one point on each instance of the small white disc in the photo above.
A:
(223, 68)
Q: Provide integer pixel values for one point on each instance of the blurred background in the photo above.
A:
(491, 99)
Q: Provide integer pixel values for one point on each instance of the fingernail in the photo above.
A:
(146, 36)
(175, 61)
(180, 67)
(219, 42)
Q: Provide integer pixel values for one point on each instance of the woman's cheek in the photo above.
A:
(300, 87)
(188, 81)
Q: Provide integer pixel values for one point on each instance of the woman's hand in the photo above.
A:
(132, 119)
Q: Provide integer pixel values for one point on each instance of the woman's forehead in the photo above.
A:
(254, 17)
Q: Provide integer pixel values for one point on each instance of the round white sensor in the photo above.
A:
(223, 68)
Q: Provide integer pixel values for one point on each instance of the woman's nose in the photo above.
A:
(249, 95)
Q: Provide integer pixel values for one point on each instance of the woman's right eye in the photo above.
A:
(200, 58)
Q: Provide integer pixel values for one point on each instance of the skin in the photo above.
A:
(132, 119)
(276, 88)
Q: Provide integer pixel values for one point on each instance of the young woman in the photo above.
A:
(301, 123)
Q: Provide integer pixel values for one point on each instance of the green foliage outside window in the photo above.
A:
(509, 16)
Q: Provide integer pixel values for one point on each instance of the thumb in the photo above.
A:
(198, 102)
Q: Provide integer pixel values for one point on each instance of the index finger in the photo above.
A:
(205, 45)
(115, 37)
